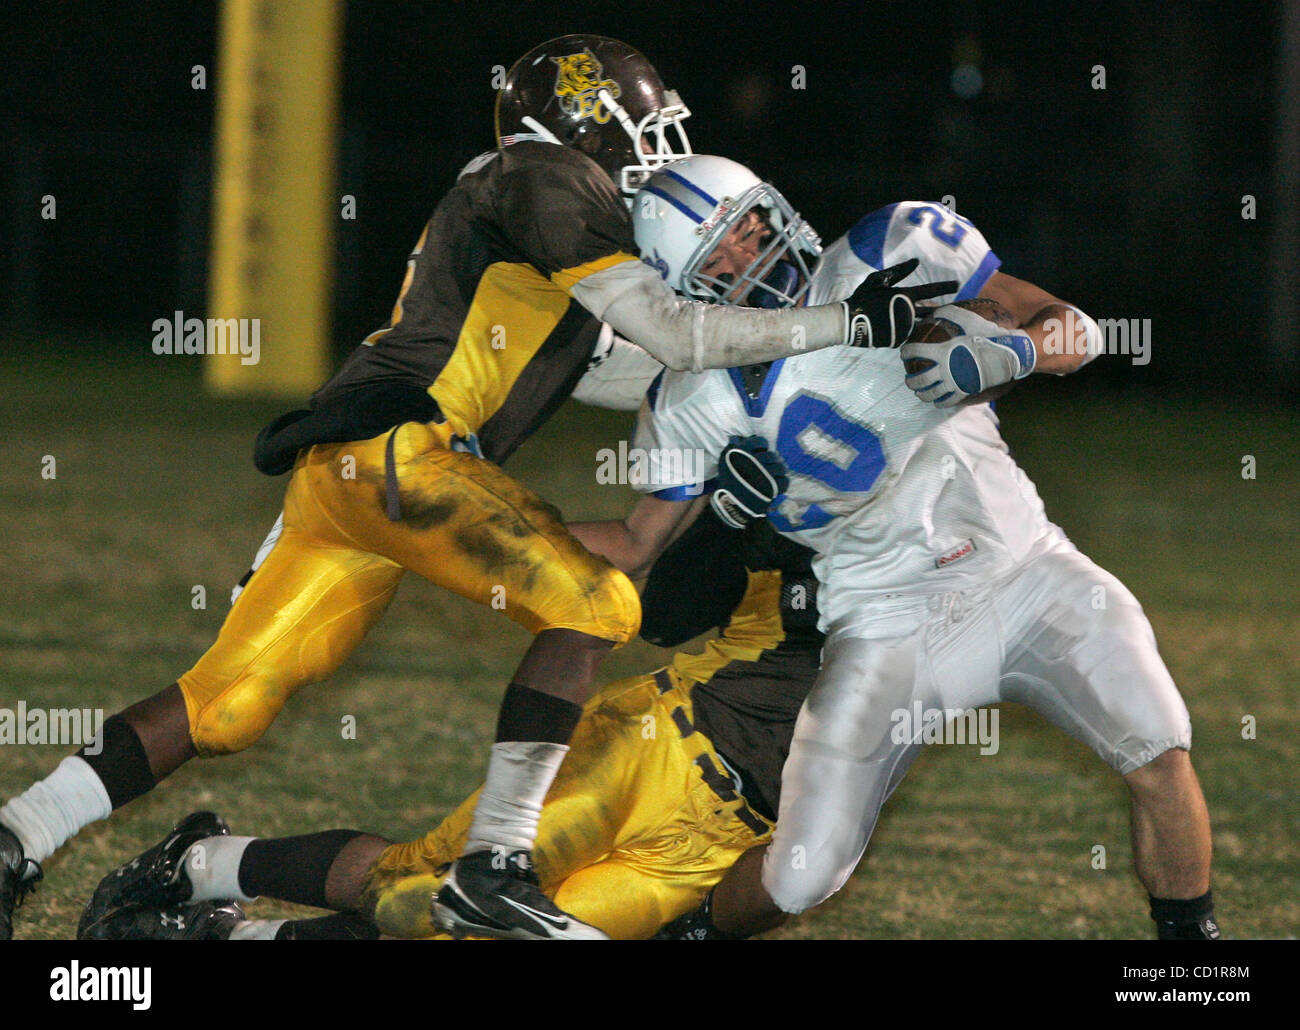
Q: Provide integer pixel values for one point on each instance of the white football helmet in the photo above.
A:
(686, 208)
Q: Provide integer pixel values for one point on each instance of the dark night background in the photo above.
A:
(1126, 200)
(1180, 477)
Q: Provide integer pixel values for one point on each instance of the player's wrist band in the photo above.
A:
(1022, 346)
(1095, 344)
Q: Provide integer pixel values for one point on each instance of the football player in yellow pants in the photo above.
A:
(667, 784)
(332, 572)
(397, 466)
(641, 822)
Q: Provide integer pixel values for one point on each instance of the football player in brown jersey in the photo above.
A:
(397, 465)
(672, 777)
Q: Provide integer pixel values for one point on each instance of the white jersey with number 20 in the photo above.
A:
(846, 426)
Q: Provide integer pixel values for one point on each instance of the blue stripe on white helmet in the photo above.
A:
(686, 209)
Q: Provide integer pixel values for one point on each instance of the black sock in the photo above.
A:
(342, 926)
(530, 715)
(121, 764)
(1185, 918)
(292, 869)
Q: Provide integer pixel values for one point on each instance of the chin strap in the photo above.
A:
(616, 109)
(540, 133)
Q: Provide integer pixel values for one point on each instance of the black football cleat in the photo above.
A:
(156, 879)
(19, 875)
(490, 895)
(202, 921)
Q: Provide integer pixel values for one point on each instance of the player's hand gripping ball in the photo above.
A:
(962, 353)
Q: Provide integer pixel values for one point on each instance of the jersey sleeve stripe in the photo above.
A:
(685, 493)
(971, 288)
(566, 278)
(867, 237)
(652, 392)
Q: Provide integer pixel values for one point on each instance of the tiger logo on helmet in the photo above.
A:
(578, 81)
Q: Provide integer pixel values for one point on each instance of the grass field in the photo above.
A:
(155, 494)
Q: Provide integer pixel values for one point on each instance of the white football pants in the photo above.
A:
(1057, 634)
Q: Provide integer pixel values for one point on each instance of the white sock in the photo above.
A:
(256, 930)
(49, 812)
(519, 775)
(212, 866)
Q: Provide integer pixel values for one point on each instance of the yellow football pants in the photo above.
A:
(640, 823)
(464, 525)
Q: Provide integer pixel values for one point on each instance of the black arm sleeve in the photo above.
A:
(696, 583)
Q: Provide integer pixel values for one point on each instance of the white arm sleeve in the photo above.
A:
(618, 375)
(691, 335)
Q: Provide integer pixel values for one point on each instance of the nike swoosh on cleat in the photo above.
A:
(559, 924)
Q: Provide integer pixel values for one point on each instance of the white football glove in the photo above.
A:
(984, 355)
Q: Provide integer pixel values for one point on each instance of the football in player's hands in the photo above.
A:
(933, 327)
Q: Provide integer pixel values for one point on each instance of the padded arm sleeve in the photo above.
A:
(692, 335)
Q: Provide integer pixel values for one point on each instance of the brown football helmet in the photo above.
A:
(599, 96)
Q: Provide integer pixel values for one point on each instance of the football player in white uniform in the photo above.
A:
(943, 584)
(533, 242)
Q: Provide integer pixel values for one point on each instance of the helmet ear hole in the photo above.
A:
(581, 139)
